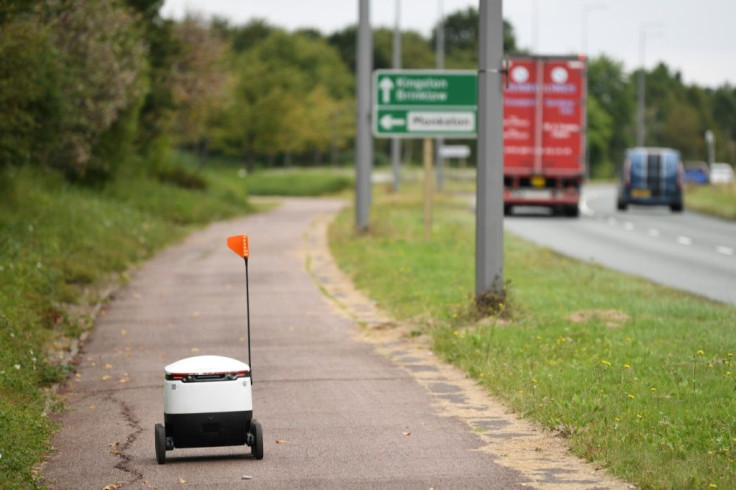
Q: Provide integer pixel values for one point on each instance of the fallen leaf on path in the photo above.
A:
(93, 407)
(407, 434)
(113, 444)
(281, 441)
(108, 366)
(106, 377)
(113, 486)
(125, 380)
(123, 332)
(182, 480)
(194, 349)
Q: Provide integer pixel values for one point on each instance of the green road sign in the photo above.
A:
(419, 104)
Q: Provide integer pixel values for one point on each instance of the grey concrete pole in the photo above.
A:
(489, 193)
(440, 55)
(587, 9)
(396, 142)
(363, 137)
(640, 89)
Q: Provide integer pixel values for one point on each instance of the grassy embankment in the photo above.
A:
(716, 200)
(638, 377)
(62, 245)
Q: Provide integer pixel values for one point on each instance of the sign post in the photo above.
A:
(428, 157)
(421, 104)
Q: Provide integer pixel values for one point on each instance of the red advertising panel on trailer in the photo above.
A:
(544, 117)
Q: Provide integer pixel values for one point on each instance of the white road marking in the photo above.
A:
(628, 226)
(585, 209)
(724, 250)
(683, 240)
(653, 232)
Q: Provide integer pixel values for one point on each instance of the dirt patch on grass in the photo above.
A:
(610, 318)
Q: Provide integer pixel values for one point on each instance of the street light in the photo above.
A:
(440, 59)
(640, 131)
(587, 9)
(396, 64)
(710, 141)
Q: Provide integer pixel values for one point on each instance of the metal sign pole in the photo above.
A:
(363, 137)
(428, 156)
(489, 192)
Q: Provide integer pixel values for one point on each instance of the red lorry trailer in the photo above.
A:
(544, 129)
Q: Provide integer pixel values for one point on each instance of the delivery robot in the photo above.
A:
(208, 399)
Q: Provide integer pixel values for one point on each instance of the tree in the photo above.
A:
(609, 86)
(286, 92)
(103, 61)
(198, 81)
(461, 38)
(600, 132)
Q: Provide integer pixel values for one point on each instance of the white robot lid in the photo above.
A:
(206, 365)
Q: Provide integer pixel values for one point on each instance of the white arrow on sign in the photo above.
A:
(386, 86)
(388, 122)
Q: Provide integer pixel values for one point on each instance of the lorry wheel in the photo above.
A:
(160, 433)
(257, 431)
(676, 207)
(572, 211)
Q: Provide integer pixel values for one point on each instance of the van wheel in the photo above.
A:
(677, 207)
(621, 205)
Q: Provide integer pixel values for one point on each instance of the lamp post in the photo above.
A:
(363, 137)
(396, 64)
(440, 55)
(640, 129)
(587, 9)
(710, 141)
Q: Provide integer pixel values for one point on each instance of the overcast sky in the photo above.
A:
(695, 37)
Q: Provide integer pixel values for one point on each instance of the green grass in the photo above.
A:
(298, 182)
(717, 200)
(58, 243)
(640, 378)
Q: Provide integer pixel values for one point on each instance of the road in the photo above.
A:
(338, 411)
(686, 251)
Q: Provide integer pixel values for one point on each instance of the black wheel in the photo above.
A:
(257, 431)
(572, 211)
(160, 431)
(621, 205)
(676, 207)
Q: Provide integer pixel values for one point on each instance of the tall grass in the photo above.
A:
(638, 377)
(58, 243)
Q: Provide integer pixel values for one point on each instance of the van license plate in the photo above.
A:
(641, 193)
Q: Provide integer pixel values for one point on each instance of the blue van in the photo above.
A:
(651, 176)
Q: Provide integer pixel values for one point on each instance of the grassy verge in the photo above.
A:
(717, 200)
(301, 182)
(58, 243)
(638, 377)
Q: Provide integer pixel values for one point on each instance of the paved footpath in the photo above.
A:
(345, 400)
